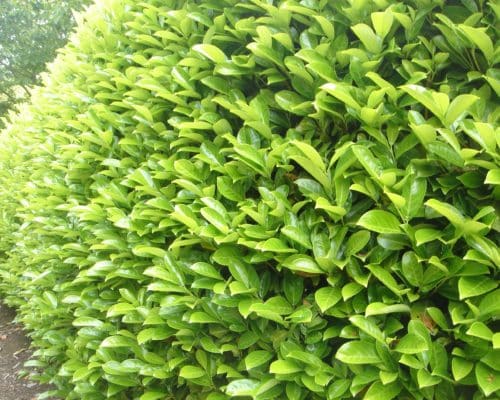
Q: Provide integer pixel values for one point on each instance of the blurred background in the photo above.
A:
(31, 31)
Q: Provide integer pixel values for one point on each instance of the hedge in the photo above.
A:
(262, 199)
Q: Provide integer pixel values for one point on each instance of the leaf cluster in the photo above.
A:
(261, 199)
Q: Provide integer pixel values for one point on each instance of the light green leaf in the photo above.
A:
(480, 38)
(327, 297)
(424, 96)
(265, 52)
(380, 221)
(158, 333)
(459, 106)
(118, 341)
(297, 235)
(480, 330)
(368, 161)
(370, 40)
(302, 263)
(282, 367)
(191, 372)
(341, 93)
(150, 395)
(448, 211)
(326, 26)
(351, 290)
(257, 358)
(369, 327)
(412, 270)
(88, 321)
(496, 340)
(461, 367)
(205, 269)
(414, 193)
(487, 378)
(358, 352)
(311, 153)
(356, 242)
(338, 388)
(185, 215)
(493, 177)
(200, 317)
(379, 391)
(377, 308)
(242, 387)
(274, 245)
(425, 379)
(290, 101)
(384, 276)
(382, 22)
(301, 316)
(471, 286)
(211, 52)
(411, 344)
(148, 251)
(318, 174)
(214, 218)
(426, 235)
(324, 204)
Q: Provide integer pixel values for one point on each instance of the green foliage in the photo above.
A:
(261, 199)
(30, 33)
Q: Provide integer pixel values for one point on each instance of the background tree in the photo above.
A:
(30, 33)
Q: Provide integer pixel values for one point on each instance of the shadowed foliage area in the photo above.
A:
(261, 199)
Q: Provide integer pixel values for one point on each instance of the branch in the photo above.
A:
(6, 93)
(26, 90)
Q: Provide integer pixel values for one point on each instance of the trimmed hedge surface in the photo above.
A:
(261, 199)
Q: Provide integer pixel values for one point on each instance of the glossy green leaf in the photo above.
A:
(257, 358)
(377, 308)
(368, 326)
(470, 286)
(242, 387)
(382, 22)
(283, 367)
(425, 379)
(358, 352)
(380, 221)
(480, 330)
(461, 367)
(493, 177)
(412, 269)
(327, 297)
(414, 193)
(302, 263)
(191, 372)
(215, 199)
(487, 378)
(211, 52)
(383, 392)
(459, 106)
(370, 40)
(480, 38)
(341, 93)
(411, 344)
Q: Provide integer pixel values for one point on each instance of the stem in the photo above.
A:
(473, 52)
(6, 93)
(26, 89)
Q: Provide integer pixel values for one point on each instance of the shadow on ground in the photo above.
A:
(14, 352)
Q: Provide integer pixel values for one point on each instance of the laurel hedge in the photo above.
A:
(264, 199)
